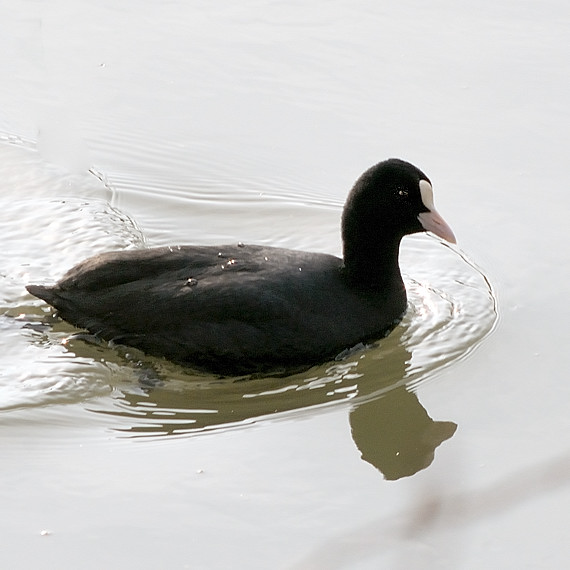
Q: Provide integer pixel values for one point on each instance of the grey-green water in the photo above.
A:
(446, 444)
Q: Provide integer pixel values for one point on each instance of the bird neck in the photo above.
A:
(371, 262)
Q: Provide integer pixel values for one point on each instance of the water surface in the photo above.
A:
(445, 444)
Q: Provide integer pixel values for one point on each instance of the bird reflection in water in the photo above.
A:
(389, 426)
(396, 435)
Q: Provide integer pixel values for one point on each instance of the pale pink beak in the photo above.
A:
(433, 222)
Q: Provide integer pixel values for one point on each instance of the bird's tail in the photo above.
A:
(42, 292)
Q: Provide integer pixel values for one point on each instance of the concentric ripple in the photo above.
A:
(452, 308)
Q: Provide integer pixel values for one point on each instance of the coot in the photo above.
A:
(240, 309)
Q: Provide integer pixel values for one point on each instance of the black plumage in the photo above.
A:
(239, 309)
